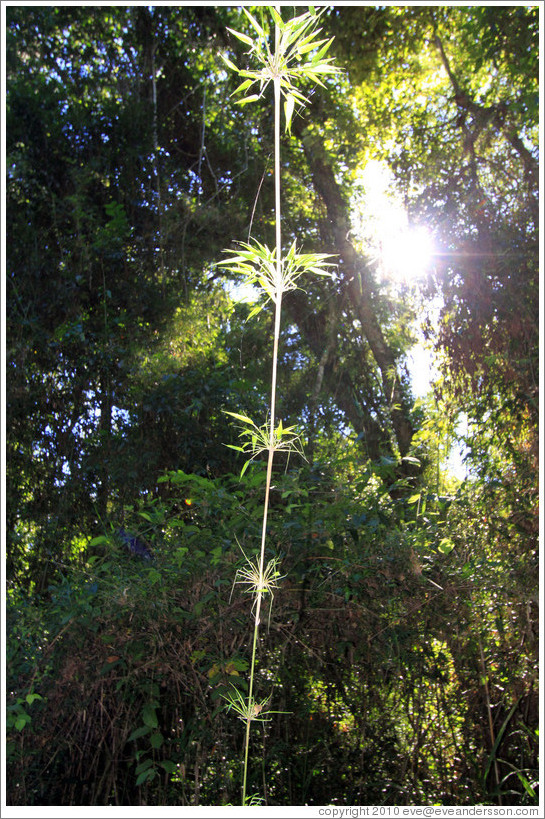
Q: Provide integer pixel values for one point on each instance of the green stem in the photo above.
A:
(250, 699)
(278, 310)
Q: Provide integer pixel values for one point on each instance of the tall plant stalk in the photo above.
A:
(277, 318)
(297, 54)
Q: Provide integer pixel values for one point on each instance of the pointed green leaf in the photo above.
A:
(323, 51)
(243, 418)
(228, 63)
(246, 100)
(276, 17)
(304, 49)
(288, 111)
(143, 777)
(304, 41)
(314, 78)
(96, 540)
(257, 309)
(256, 75)
(243, 86)
(325, 68)
(242, 37)
(254, 22)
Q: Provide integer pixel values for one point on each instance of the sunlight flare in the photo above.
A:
(401, 252)
(406, 254)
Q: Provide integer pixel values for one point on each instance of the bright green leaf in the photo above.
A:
(228, 62)
(446, 546)
(288, 111)
(242, 37)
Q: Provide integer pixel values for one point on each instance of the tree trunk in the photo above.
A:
(356, 279)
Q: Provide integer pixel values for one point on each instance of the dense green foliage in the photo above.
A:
(402, 646)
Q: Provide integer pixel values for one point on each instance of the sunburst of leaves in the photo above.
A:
(258, 578)
(249, 709)
(256, 440)
(297, 55)
(257, 264)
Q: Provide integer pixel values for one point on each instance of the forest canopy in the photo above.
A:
(398, 652)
